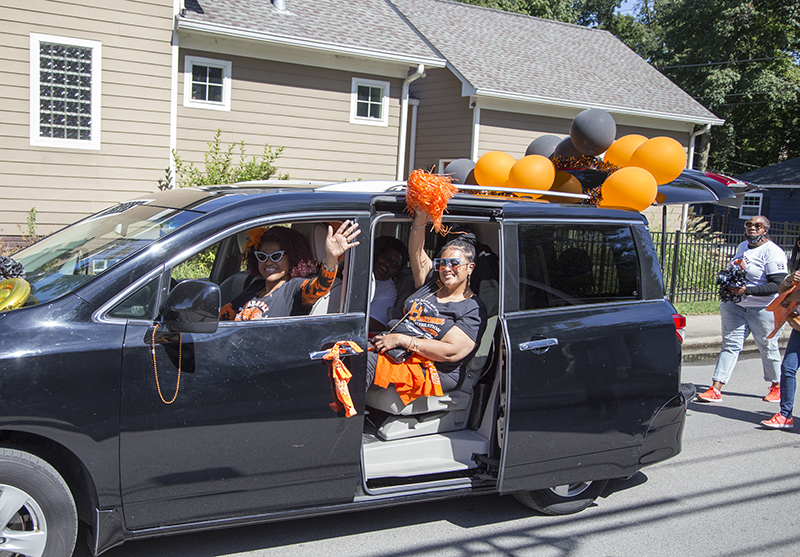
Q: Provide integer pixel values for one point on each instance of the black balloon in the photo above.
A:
(593, 131)
(543, 145)
(461, 171)
(565, 150)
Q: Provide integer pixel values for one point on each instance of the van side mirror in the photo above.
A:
(192, 307)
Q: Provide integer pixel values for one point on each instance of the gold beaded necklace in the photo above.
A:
(155, 368)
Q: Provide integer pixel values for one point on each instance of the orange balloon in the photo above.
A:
(533, 172)
(663, 157)
(621, 150)
(630, 187)
(566, 183)
(492, 168)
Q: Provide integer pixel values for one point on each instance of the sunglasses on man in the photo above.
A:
(442, 262)
(275, 256)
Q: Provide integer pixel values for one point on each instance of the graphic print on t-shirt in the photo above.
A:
(431, 324)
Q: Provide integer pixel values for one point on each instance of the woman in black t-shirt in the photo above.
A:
(444, 319)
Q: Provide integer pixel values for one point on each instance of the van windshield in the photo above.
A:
(73, 256)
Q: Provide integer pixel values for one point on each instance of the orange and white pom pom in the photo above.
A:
(429, 193)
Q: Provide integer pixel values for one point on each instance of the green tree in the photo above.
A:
(739, 58)
(220, 167)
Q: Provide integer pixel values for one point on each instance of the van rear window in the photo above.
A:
(574, 264)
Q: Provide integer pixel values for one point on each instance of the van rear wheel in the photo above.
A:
(562, 499)
(37, 511)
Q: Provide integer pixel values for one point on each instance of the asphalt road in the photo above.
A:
(733, 491)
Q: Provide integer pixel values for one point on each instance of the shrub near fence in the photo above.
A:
(691, 260)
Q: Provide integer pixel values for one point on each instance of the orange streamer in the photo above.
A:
(429, 193)
(340, 377)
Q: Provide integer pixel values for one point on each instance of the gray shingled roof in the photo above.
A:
(786, 173)
(516, 56)
(371, 27)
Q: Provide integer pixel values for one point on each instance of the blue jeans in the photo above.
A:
(789, 373)
(737, 323)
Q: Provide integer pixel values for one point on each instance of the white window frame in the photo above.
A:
(226, 67)
(35, 81)
(745, 215)
(384, 119)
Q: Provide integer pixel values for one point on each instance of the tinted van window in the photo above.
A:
(572, 264)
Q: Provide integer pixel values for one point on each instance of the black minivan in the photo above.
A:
(210, 424)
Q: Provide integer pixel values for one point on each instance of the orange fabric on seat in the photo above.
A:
(409, 378)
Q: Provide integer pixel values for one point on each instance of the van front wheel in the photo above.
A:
(562, 499)
(37, 511)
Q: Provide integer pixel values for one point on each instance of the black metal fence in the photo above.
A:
(691, 261)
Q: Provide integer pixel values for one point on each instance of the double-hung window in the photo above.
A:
(65, 92)
(751, 205)
(207, 83)
(369, 102)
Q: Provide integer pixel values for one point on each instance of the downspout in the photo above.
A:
(690, 165)
(412, 151)
(177, 11)
(401, 151)
(476, 124)
(690, 157)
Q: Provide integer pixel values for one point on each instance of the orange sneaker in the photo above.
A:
(778, 421)
(774, 394)
(711, 395)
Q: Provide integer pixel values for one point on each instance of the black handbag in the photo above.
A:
(398, 354)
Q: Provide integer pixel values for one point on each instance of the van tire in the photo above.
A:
(38, 500)
(563, 499)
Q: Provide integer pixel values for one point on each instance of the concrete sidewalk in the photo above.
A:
(704, 337)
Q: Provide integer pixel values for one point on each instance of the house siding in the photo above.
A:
(64, 184)
(304, 109)
(512, 132)
(444, 124)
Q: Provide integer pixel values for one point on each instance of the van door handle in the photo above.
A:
(539, 346)
(344, 351)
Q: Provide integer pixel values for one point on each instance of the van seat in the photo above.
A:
(433, 414)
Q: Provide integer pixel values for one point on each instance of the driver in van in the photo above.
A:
(284, 262)
(443, 320)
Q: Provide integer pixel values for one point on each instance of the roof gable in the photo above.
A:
(511, 55)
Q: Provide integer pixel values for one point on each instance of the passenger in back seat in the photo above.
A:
(391, 257)
(283, 260)
(443, 320)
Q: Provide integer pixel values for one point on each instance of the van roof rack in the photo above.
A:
(379, 186)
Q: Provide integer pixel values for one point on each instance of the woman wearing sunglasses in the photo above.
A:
(443, 319)
(283, 261)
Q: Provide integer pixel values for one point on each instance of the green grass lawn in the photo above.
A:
(698, 308)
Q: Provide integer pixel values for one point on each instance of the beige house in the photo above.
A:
(98, 97)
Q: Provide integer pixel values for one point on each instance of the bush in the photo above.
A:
(220, 167)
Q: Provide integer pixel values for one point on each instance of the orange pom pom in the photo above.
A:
(429, 193)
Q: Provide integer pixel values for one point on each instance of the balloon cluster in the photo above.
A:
(628, 175)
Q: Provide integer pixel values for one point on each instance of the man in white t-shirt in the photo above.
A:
(765, 265)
